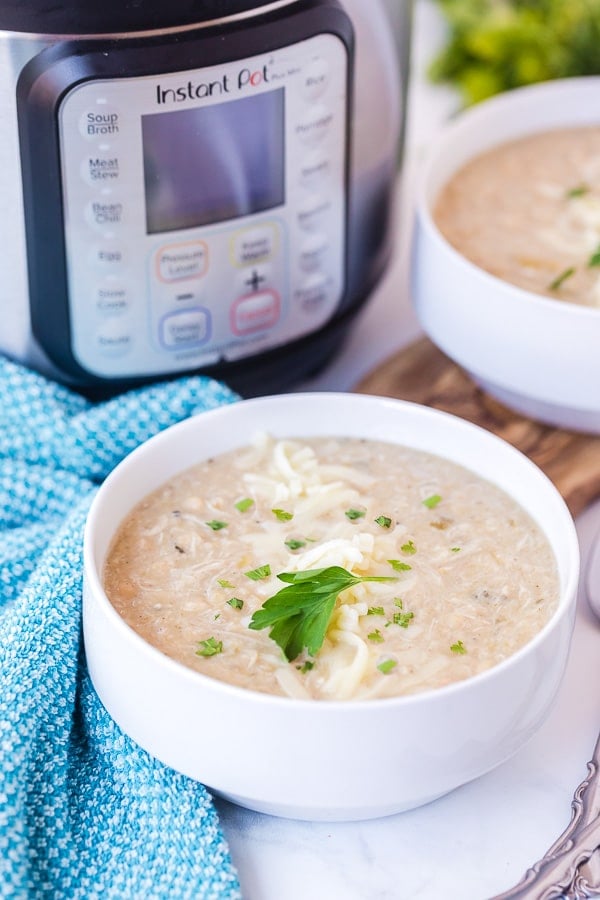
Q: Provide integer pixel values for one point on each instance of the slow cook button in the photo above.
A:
(315, 125)
(313, 293)
(255, 312)
(178, 262)
(114, 337)
(252, 245)
(112, 298)
(185, 328)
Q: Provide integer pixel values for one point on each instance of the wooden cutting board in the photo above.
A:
(423, 374)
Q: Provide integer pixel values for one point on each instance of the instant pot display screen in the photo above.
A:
(213, 163)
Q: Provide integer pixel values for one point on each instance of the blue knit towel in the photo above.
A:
(84, 812)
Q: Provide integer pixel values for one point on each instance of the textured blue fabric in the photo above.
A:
(84, 812)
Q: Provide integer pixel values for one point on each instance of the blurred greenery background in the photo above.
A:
(496, 45)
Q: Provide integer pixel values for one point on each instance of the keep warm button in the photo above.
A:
(255, 312)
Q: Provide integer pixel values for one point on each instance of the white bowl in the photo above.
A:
(538, 355)
(324, 760)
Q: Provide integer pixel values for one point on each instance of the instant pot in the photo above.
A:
(192, 185)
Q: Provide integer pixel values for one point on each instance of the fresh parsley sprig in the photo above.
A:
(298, 615)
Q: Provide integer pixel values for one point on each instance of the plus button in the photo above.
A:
(255, 281)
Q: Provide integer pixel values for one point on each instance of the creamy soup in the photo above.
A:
(528, 212)
(469, 577)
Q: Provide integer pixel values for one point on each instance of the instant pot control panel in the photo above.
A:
(195, 216)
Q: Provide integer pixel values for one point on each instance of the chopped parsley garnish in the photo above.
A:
(398, 565)
(594, 259)
(245, 504)
(579, 191)
(375, 611)
(236, 603)
(403, 619)
(398, 602)
(306, 666)
(459, 648)
(216, 524)
(298, 615)
(454, 549)
(432, 502)
(376, 636)
(294, 544)
(259, 573)
(560, 279)
(386, 666)
(384, 521)
(409, 548)
(210, 647)
(224, 583)
(282, 515)
(353, 514)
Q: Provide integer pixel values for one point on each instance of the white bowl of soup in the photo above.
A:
(328, 606)
(506, 255)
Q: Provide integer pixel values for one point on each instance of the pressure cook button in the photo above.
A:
(104, 215)
(253, 245)
(255, 312)
(185, 328)
(100, 170)
(177, 262)
(315, 125)
(102, 122)
(114, 337)
(315, 78)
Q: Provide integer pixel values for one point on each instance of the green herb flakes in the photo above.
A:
(432, 502)
(458, 648)
(403, 619)
(579, 191)
(454, 549)
(398, 602)
(386, 666)
(245, 504)
(282, 515)
(409, 548)
(376, 636)
(294, 544)
(298, 615)
(306, 666)
(384, 521)
(209, 647)
(224, 583)
(353, 514)
(594, 259)
(375, 611)
(259, 573)
(235, 603)
(399, 566)
(560, 279)
(216, 524)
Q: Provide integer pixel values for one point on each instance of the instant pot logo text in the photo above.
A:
(246, 78)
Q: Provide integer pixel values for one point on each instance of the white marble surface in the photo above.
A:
(480, 839)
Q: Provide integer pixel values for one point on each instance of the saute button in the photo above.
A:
(114, 337)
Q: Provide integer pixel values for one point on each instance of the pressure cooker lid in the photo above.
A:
(115, 16)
